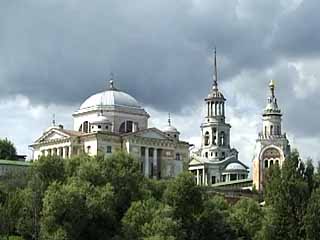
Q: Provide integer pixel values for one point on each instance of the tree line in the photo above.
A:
(108, 198)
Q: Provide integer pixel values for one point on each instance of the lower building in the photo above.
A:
(12, 166)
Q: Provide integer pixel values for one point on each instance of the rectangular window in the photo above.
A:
(213, 179)
(109, 149)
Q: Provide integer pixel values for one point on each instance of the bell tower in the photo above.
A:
(272, 146)
(215, 144)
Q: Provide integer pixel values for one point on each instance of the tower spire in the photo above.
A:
(215, 77)
(272, 87)
(54, 119)
(169, 119)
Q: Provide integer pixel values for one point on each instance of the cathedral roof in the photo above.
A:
(111, 97)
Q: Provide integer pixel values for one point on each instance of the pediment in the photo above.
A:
(195, 162)
(52, 135)
(151, 133)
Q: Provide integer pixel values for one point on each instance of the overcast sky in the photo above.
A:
(56, 53)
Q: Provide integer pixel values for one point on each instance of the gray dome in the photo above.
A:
(235, 166)
(110, 98)
(170, 129)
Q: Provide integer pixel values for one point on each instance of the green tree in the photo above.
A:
(149, 219)
(186, 199)
(246, 218)
(78, 210)
(286, 194)
(7, 150)
(312, 217)
(212, 222)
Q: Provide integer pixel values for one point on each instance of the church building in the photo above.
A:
(113, 120)
(216, 161)
(272, 146)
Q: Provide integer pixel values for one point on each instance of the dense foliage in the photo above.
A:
(7, 150)
(108, 198)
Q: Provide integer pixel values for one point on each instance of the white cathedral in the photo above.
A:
(215, 161)
(113, 120)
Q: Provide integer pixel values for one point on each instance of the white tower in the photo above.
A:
(272, 147)
(215, 131)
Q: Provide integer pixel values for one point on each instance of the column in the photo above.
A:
(223, 109)
(197, 176)
(203, 177)
(155, 163)
(215, 108)
(64, 152)
(146, 163)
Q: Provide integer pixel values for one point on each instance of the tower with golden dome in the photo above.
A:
(272, 145)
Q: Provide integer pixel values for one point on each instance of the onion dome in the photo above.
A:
(272, 105)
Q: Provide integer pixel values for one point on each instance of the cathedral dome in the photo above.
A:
(111, 97)
(235, 166)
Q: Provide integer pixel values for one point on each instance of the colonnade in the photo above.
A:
(64, 152)
(215, 109)
(151, 168)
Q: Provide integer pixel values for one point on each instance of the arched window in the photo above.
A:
(122, 128)
(206, 154)
(278, 129)
(277, 162)
(271, 162)
(271, 130)
(129, 126)
(80, 128)
(86, 127)
(206, 139)
(266, 163)
(265, 130)
(222, 139)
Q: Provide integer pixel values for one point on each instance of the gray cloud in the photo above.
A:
(63, 51)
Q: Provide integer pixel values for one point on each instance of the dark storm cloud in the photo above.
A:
(63, 51)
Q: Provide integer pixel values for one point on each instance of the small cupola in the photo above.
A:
(170, 130)
(101, 124)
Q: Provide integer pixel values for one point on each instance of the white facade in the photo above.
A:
(113, 120)
(272, 146)
(216, 161)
